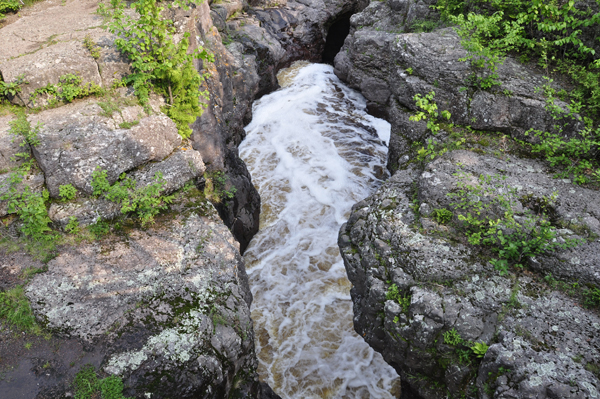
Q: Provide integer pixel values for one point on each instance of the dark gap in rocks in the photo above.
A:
(336, 34)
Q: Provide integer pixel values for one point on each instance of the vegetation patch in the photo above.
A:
(217, 188)
(158, 63)
(393, 294)
(485, 214)
(552, 34)
(16, 311)
(145, 202)
(69, 87)
(88, 386)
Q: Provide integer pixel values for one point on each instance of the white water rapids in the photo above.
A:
(313, 152)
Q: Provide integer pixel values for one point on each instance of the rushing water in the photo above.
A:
(313, 152)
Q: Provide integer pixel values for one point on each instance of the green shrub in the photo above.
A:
(442, 215)
(492, 223)
(67, 192)
(28, 205)
(69, 87)
(479, 349)
(394, 294)
(157, 62)
(452, 337)
(145, 202)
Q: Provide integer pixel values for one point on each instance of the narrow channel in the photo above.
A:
(313, 152)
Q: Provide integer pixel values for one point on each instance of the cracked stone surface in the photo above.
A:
(543, 343)
(44, 45)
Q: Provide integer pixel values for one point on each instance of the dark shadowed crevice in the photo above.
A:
(336, 35)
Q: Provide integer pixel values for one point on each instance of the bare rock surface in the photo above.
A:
(166, 309)
(543, 343)
(78, 138)
(48, 43)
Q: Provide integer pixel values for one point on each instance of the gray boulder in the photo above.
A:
(47, 44)
(167, 311)
(78, 138)
(542, 343)
(180, 168)
(390, 67)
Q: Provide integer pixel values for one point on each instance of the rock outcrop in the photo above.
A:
(164, 307)
(423, 295)
(389, 67)
(540, 340)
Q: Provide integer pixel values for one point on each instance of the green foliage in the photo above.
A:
(145, 202)
(67, 192)
(8, 6)
(12, 88)
(15, 309)
(424, 25)
(486, 215)
(549, 31)
(99, 229)
(452, 337)
(575, 157)
(69, 87)
(28, 205)
(128, 125)
(479, 349)
(442, 215)
(428, 111)
(13, 5)
(88, 386)
(393, 294)
(92, 47)
(216, 188)
(73, 225)
(157, 62)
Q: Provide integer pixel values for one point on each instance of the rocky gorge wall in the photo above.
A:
(423, 296)
(164, 307)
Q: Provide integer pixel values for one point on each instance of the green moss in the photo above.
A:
(15, 309)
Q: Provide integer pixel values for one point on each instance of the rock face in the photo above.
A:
(389, 68)
(170, 307)
(540, 340)
(423, 296)
(76, 139)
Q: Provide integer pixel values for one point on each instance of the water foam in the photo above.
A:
(313, 152)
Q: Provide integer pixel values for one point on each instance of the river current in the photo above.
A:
(313, 152)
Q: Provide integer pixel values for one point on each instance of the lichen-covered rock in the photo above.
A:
(543, 343)
(181, 167)
(168, 308)
(76, 139)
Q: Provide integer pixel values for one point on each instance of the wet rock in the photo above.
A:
(540, 339)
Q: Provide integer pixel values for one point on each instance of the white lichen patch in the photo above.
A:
(177, 344)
